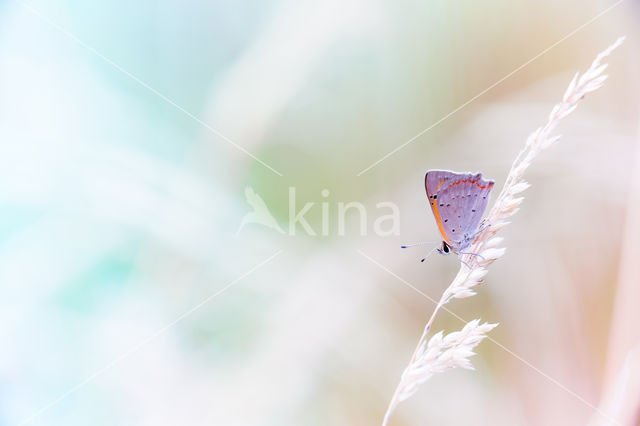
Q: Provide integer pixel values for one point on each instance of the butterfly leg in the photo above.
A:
(481, 228)
(468, 266)
(472, 254)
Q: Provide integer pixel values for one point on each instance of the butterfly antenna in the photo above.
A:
(429, 254)
(423, 243)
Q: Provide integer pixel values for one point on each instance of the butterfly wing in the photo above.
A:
(434, 181)
(458, 201)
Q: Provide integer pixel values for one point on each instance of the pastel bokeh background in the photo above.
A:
(127, 131)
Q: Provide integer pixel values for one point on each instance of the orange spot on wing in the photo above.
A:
(471, 181)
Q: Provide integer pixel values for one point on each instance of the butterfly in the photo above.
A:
(458, 201)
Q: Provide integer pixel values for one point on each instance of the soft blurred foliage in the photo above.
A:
(120, 201)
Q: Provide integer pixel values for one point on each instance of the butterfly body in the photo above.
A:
(458, 201)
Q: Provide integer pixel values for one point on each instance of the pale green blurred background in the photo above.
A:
(119, 207)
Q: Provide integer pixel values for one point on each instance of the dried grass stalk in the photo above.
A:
(453, 350)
